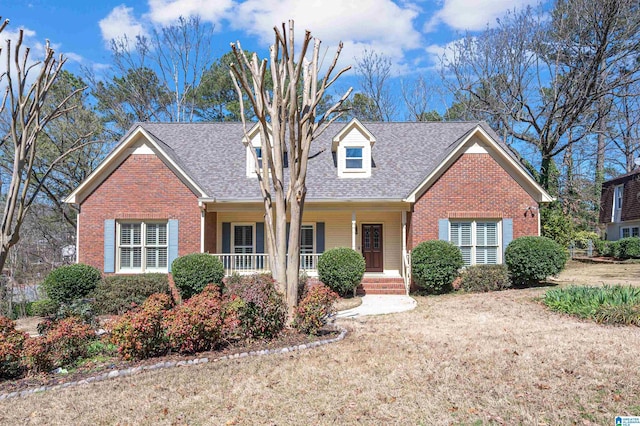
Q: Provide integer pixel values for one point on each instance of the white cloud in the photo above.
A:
(473, 15)
(165, 12)
(120, 22)
(379, 25)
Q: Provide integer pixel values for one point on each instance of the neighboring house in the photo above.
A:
(380, 188)
(620, 206)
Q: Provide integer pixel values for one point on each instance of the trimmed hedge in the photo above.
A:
(532, 259)
(263, 311)
(341, 269)
(484, 278)
(435, 265)
(193, 272)
(628, 248)
(70, 282)
(44, 307)
(118, 294)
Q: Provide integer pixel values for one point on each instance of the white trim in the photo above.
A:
(474, 238)
(78, 237)
(616, 209)
(353, 230)
(542, 196)
(354, 123)
(118, 155)
(404, 232)
(143, 247)
(202, 223)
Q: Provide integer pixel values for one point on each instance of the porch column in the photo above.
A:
(202, 214)
(353, 230)
(404, 232)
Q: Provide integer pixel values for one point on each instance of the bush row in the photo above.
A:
(624, 248)
(527, 261)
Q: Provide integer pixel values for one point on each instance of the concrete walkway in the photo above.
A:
(379, 305)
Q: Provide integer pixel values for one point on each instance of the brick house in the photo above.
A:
(380, 188)
(620, 206)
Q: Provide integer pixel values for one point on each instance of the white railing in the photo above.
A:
(309, 262)
(243, 263)
(406, 270)
(250, 263)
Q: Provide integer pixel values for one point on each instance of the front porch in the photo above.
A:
(236, 235)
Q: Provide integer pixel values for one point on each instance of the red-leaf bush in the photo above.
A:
(66, 341)
(11, 344)
(140, 333)
(264, 312)
(314, 309)
(197, 325)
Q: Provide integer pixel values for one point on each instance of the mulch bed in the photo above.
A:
(90, 369)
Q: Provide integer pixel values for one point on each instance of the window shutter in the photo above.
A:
(507, 234)
(259, 237)
(226, 237)
(109, 245)
(443, 229)
(172, 242)
(320, 237)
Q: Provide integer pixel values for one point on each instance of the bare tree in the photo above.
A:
(537, 78)
(287, 121)
(374, 71)
(25, 103)
(624, 126)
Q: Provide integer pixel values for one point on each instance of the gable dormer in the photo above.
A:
(352, 148)
(252, 138)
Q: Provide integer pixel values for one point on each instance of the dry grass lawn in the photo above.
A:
(497, 358)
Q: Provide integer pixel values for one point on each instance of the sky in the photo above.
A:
(412, 34)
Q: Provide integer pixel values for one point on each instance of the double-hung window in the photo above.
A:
(243, 246)
(142, 246)
(353, 157)
(478, 241)
(306, 247)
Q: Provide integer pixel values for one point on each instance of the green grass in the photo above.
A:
(605, 305)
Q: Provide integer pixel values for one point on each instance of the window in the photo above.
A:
(142, 247)
(634, 232)
(243, 244)
(478, 241)
(625, 233)
(629, 232)
(617, 203)
(353, 157)
(259, 155)
(307, 247)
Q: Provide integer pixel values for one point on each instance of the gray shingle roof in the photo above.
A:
(404, 154)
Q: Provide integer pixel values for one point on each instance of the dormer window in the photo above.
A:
(352, 147)
(259, 155)
(353, 157)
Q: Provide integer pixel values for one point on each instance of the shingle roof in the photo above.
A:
(404, 154)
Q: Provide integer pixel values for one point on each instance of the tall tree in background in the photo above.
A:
(27, 111)
(155, 76)
(624, 125)
(288, 122)
(540, 78)
(373, 71)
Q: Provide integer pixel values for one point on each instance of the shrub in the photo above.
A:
(71, 282)
(196, 325)
(44, 307)
(65, 342)
(341, 269)
(532, 259)
(11, 345)
(435, 264)
(314, 310)
(193, 272)
(264, 311)
(79, 308)
(120, 293)
(483, 278)
(628, 248)
(139, 333)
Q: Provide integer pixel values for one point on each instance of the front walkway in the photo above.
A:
(374, 304)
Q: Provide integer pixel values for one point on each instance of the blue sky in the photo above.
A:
(411, 33)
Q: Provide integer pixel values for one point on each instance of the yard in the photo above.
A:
(497, 358)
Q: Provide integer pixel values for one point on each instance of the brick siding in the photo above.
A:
(473, 185)
(142, 187)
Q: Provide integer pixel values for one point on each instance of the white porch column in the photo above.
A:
(202, 214)
(404, 232)
(353, 230)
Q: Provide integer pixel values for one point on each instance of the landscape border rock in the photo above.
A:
(114, 374)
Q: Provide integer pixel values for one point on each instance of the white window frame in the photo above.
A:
(618, 195)
(632, 231)
(348, 169)
(311, 226)
(143, 247)
(474, 242)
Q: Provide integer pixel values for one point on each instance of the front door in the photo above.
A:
(372, 247)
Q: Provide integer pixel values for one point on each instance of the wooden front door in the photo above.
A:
(372, 247)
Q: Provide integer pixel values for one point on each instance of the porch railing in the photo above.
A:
(251, 263)
(406, 270)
